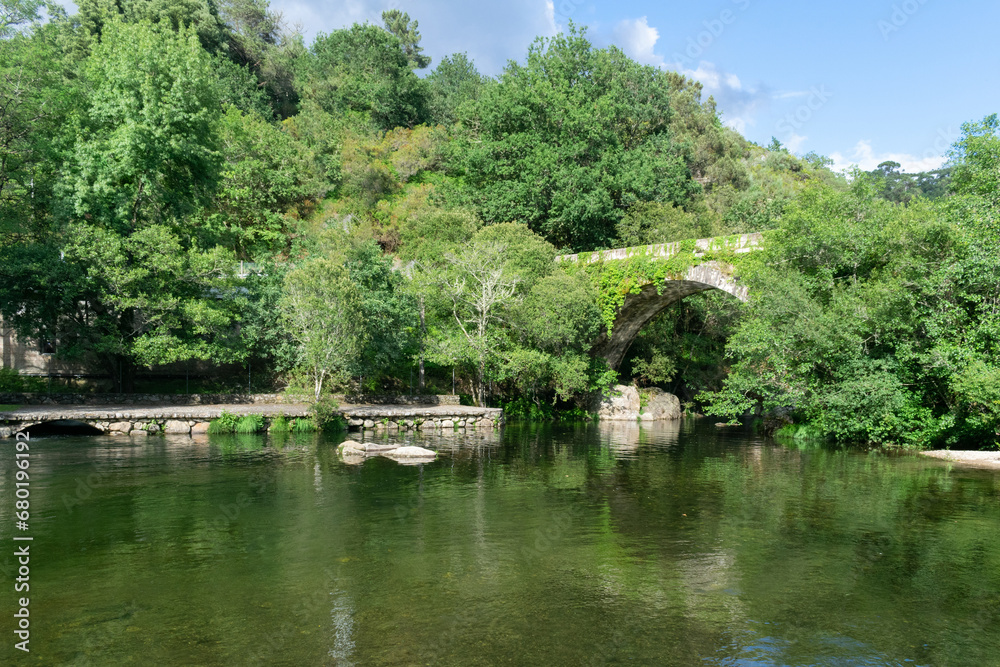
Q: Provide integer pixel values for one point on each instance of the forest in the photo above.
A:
(192, 183)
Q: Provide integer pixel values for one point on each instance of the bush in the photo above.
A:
(326, 415)
(230, 423)
(14, 382)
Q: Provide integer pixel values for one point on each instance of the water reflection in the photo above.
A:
(674, 543)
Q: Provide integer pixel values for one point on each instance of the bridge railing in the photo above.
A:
(737, 244)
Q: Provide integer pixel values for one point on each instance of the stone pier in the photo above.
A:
(194, 419)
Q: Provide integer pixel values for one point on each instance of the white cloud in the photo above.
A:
(738, 104)
(550, 16)
(865, 157)
(794, 142)
(637, 39)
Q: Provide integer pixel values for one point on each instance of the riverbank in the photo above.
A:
(977, 459)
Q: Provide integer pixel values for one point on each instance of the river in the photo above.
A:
(609, 544)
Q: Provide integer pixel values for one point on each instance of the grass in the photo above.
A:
(9, 408)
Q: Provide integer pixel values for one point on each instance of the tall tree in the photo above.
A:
(454, 83)
(569, 141)
(362, 68)
(125, 278)
(14, 13)
(405, 30)
(322, 308)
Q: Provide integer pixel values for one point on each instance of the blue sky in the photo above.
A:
(859, 81)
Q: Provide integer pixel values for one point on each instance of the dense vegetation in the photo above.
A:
(397, 232)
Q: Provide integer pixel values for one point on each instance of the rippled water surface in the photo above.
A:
(603, 544)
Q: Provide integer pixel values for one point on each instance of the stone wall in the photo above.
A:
(398, 399)
(436, 423)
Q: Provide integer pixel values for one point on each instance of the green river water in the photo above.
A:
(672, 544)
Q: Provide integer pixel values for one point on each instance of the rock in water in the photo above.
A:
(620, 404)
(351, 448)
(624, 403)
(661, 406)
(411, 453)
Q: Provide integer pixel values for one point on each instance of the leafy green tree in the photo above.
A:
(425, 240)
(131, 284)
(388, 310)
(559, 321)
(259, 41)
(35, 102)
(323, 311)
(262, 181)
(362, 68)
(14, 13)
(405, 30)
(197, 16)
(454, 83)
(569, 141)
(871, 321)
(147, 149)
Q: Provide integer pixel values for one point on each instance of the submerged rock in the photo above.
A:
(410, 453)
(351, 448)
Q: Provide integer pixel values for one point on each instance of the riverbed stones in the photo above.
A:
(120, 427)
(352, 447)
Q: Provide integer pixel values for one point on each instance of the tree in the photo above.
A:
(147, 149)
(569, 141)
(453, 84)
(387, 308)
(259, 40)
(323, 310)
(17, 12)
(480, 285)
(362, 68)
(405, 30)
(135, 286)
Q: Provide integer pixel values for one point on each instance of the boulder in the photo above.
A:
(176, 426)
(200, 428)
(352, 447)
(624, 403)
(621, 403)
(661, 406)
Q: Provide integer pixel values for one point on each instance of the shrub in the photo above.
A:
(326, 415)
(230, 423)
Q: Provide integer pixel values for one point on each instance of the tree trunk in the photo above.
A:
(423, 339)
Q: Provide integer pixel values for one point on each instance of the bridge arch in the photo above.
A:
(651, 300)
(639, 309)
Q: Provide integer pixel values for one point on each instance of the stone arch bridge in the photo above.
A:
(651, 300)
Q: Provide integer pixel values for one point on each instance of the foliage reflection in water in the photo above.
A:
(596, 544)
